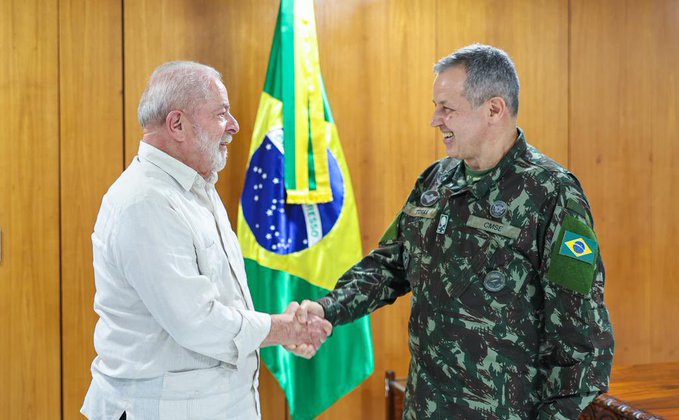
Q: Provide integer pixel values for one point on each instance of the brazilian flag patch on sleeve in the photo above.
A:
(579, 247)
(574, 255)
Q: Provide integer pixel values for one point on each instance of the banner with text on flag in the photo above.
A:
(297, 219)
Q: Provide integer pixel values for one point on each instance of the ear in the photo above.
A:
(175, 123)
(497, 108)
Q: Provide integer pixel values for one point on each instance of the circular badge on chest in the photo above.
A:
(494, 281)
(498, 209)
(429, 198)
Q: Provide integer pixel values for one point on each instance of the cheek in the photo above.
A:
(455, 124)
(216, 134)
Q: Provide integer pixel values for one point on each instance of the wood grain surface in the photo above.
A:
(652, 387)
(91, 115)
(30, 344)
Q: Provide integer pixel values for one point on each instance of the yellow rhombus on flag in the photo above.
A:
(297, 219)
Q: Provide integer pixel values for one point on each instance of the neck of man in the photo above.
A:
(493, 150)
(158, 139)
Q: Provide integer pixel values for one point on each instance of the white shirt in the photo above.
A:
(177, 321)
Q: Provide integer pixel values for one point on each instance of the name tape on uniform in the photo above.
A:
(414, 211)
(494, 227)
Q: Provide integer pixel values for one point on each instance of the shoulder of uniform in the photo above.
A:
(536, 158)
(442, 165)
(564, 183)
(548, 169)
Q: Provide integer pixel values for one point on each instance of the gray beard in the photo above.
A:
(217, 160)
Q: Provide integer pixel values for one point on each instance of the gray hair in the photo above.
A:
(175, 85)
(490, 73)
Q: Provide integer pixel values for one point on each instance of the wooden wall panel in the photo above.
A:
(29, 211)
(91, 159)
(535, 35)
(664, 190)
(623, 129)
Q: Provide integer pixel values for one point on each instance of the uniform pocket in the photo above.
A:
(415, 250)
(461, 260)
(498, 287)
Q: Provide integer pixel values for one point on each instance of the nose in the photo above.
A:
(436, 119)
(232, 126)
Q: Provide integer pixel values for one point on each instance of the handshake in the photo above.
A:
(301, 329)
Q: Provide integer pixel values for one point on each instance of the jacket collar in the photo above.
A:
(182, 173)
(481, 188)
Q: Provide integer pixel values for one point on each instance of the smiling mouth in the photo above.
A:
(448, 136)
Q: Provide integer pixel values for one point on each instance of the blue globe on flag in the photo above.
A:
(277, 226)
(579, 247)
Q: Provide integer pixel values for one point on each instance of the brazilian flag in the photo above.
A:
(297, 219)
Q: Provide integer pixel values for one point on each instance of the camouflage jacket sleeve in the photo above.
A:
(576, 349)
(377, 280)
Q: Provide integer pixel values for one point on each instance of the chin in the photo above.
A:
(453, 153)
(219, 167)
(220, 162)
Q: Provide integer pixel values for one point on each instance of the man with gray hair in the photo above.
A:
(178, 335)
(496, 243)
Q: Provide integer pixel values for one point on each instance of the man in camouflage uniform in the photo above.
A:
(508, 318)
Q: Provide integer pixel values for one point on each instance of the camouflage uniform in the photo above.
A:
(502, 325)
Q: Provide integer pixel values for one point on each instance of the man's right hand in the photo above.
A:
(309, 307)
(303, 334)
(308, 311)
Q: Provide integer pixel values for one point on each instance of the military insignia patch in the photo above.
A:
(443, 223)
(429, 198)
(574, 255)
(498, 209)
(494, 281)
(579, 247)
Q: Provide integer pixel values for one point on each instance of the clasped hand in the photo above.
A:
(312, 327)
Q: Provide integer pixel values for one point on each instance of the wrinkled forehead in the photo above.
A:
(449, 83)
(218, 89)
(217, 97)
(452, 77)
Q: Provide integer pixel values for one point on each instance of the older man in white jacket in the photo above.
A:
(178, 335)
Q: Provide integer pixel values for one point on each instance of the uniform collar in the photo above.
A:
(482, 186)
(183, 174)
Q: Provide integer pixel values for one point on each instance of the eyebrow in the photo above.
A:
(221, 106)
